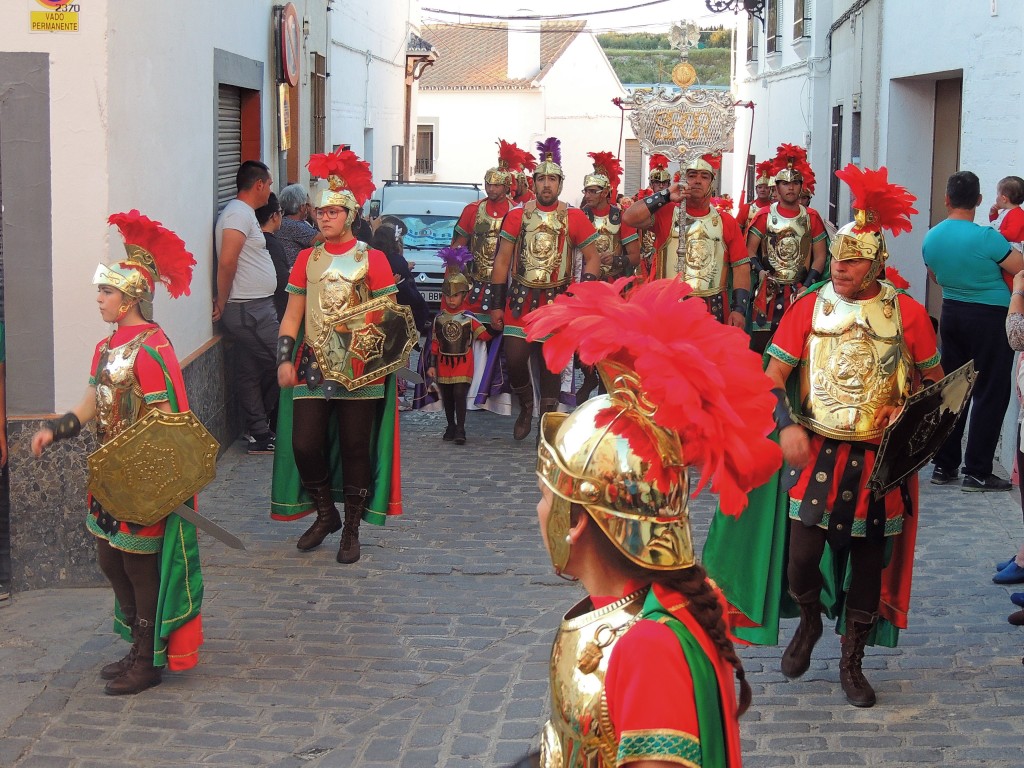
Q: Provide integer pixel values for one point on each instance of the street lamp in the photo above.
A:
(754, 7)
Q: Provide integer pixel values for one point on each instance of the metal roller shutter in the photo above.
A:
(229, 142)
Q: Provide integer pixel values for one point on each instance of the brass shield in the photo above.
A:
(158, 463)
(928, 417)
(371, 340)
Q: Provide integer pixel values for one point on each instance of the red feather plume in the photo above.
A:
(529, 162)
(656, 162)
(705, 383)
(714, 159)
(173, 261)
(764, 168)
(345, 166)
(886, 206)
(898, 280)
(608, 165)
(509, 155)
(791, 155)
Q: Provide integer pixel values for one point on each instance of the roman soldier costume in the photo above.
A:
(658, 173)
(613, 237)
(480, 222)
(787, 236)
(134, 371)
(352, 339)
(699, 245)
(857, 359)
(748, 212)
(635, 676)
(453, 333)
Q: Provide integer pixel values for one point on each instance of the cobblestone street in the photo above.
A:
(432, 649)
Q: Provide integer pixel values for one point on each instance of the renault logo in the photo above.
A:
(421, 277)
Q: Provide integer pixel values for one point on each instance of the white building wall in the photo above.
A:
(132, 125)
(583, 118)
(468, 125)
(367, 83)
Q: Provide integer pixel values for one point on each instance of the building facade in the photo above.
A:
(124, 105)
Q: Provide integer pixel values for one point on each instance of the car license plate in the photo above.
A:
(432, 296)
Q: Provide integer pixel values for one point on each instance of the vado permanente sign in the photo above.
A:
(53, 16)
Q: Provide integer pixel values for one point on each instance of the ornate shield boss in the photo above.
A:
(370, 340)
(151, 468)
(928, 417)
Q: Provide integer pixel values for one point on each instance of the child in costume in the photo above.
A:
(455, 329)
(643, 670)
(153, 569)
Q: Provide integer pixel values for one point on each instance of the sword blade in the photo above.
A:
(205, 524)
(409, 375)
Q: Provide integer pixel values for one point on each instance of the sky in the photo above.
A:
(657, 17)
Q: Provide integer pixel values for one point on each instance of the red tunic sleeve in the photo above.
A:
(467, 220)
(663, 224)
(581, 230)
(919, 333)
(380, 277)
(760, 225)
(648, 685)
(297, 278)
(817, 225)
(788, 342)
(512, 224)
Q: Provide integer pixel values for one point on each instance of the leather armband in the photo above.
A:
(783, 415)
(589, 277)
(755, 264)
(66, 427)
(494, 297)
(813, 276)
(657, 201)
(740, 300)
(285, 348)
(620, 264)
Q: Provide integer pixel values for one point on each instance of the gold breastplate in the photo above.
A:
(787, 245)
(609, 242)
(857, 362)
(119, 399)
(334, 286)
(484, 242)
(543, 260)
(454, 333)
(580, 733)
(699, 257)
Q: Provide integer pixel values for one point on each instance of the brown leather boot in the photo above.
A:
(355, 503)
(856, 687)
(524, 422)
(327, 518)
(141, 674)
(797, 657)
(118, 668)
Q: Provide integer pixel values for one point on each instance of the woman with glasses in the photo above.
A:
(343, 435)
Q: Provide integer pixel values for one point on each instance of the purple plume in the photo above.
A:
(552, 147)
(455, 258)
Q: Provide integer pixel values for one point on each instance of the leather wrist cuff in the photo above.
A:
(494, 297)
(740, 300)
(66, 427)
(657, 200)
(285, 348)
(783, 415)
(755, 263)
(589, 277)
(812, 277)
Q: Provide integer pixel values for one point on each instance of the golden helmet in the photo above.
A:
(879, 205)
(586, 458)
(667, 365)
(349, 180)
(154, 254)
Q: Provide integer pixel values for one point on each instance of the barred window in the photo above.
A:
(773, 33)
(801, 19)
(752, 27)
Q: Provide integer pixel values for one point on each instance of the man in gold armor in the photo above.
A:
(857, 347)
(787, 244)
(749, 211)
(153, 569)
(642, 669)
(696, 243)
(535, 254)
(480, 222)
